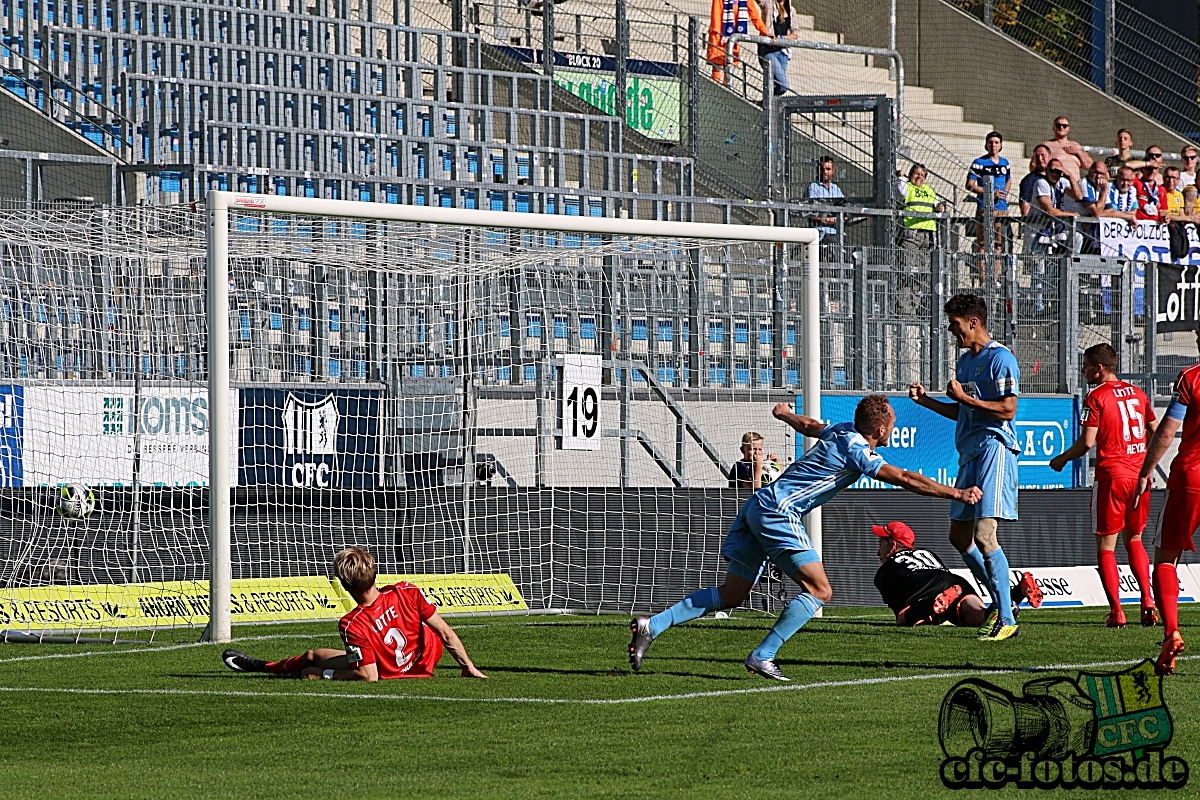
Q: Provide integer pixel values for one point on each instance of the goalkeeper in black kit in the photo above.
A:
(919, 589)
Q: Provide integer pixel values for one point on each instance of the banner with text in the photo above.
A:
(923, 441)
(146, 605)
(91, 434)
(310, 438)
(1178, 279)
(1080, 586)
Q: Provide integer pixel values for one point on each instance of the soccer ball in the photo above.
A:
(76, 501)
(771, 472)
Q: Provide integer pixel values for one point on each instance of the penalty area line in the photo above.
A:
(615, 701)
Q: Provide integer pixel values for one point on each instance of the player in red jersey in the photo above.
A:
(1181, 514)
(1117, 419)
(393, 633)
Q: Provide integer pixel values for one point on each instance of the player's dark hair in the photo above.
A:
(825, 160)
(872, 412)
(355, 569)
(994, 135)
(1104, 355)
(965, 306)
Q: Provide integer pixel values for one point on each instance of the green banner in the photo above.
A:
(651, 107)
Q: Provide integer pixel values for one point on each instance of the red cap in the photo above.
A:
(895, 530)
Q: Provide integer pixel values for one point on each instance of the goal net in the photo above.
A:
(511, 415)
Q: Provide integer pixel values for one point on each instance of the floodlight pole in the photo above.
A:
(218, 205)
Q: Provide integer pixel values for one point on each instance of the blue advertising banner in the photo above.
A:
(309, 438)
(923, 441)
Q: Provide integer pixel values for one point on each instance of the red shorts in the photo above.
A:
(1113, 510)
(1178, 520)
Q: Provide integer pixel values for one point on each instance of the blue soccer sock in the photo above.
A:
(694, 605)
(794, 617)
(974, 561)
(997, 567)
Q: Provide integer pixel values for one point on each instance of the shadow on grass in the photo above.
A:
(606, 673)
(813, 662)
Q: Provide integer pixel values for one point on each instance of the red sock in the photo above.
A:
(289, 666)
(1166, 592)
(1110, 578)
(1140, 564)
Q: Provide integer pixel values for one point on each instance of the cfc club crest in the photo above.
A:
(1105, 730)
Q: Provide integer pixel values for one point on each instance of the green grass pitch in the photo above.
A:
(169, 720)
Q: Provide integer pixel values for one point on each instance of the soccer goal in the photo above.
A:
(515, 411)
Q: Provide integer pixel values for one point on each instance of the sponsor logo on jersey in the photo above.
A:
(1092, 731)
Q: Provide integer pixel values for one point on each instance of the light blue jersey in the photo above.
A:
(768, 525)
(990, 375)
(840, 456)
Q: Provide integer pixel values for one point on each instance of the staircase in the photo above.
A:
(934, 134)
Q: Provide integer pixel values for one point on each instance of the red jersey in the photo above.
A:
(391, 633)
(1121, 413)
(1185, 469)
(1152, 199)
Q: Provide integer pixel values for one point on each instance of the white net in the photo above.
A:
(397, 386)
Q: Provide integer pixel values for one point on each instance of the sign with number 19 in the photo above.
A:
(579, 402)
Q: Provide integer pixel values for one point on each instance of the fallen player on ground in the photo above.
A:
(919, 589)
(393, 633)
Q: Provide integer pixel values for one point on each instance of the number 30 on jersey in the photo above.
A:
(579, 402)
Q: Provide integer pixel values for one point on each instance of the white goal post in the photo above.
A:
(219, 206)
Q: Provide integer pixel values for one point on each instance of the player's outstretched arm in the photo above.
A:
(454, 645)
(1159, 444)
(917, 483)
(806, 425)
(917, 393)
(1085, 442)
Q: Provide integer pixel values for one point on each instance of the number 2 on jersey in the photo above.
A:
(396, 639)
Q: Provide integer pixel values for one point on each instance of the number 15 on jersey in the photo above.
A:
(579, 402)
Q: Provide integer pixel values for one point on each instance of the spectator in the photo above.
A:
(1187, 175)
(990, 164)
(1074, 159)
(1094, 191)
(1123, 157)
(1175, 206)
(1051, 192)
(916, 233)
(1123, 197)
(916, 237)
(825, 189)
(742, 473)
(1037, 169)
(1151, 194)
(776, 20)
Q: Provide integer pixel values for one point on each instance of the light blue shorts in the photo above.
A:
(758, 534)
(994, 471)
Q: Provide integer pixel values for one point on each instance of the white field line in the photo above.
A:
(774, 687)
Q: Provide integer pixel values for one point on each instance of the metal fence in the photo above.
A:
(882, 320)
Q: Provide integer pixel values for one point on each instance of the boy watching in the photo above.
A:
(754, 471)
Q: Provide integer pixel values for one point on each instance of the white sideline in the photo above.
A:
(616, 701)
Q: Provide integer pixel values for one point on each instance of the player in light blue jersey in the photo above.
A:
(768, 527)
(983, 403)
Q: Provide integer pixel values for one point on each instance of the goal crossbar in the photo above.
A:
(220, 203)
